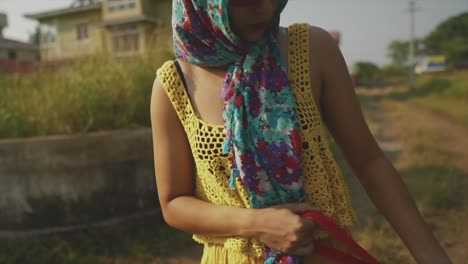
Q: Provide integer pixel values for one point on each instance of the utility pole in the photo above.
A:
(411, 60)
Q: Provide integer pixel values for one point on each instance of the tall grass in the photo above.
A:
(92, 94)
(425, 162)
(454, 85)
(443, 93)
(448, 96)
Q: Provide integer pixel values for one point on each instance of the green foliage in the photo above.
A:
(398, 51)
(452, 86)
(442, 182)
(35, 37)
(96, 93)
(445, 94)
(456, 49)
(366, 71)
(450, 38)
(393, 71)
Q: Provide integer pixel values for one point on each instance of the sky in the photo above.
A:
(367, 26)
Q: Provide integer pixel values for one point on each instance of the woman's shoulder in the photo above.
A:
(321, 43)
(320, 40)
(317, 30)
(168, 75)
(166, 104)
(320, 37)
(165, 67)
(317, 35)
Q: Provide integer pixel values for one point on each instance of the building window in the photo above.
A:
(125, 38)
(120, 5)
(12, 55)
(82, 31)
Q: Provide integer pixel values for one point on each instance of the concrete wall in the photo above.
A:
(67, 180)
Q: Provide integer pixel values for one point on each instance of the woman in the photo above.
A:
(245, 107)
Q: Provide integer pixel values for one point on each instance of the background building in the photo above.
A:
(16, 56)
(115, 27)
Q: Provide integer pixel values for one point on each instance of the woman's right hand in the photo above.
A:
(282, 228)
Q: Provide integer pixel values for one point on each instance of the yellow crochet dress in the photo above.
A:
(323, 180)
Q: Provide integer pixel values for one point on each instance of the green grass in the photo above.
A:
(448, 84)
(444, 93)
(425, 164)
(454, 108)
(435, 187)
(96, 93)
(140, 239)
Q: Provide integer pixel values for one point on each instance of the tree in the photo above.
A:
(366, 71)
(35, 37)
(398, 51)
(450, 38)
(392, 71)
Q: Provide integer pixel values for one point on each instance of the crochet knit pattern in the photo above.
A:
(323, 181)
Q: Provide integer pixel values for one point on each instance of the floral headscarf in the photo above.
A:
(259, 114)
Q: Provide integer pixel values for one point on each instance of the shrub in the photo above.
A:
(95, 93)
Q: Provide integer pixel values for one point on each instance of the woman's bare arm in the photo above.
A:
(343, 116)
(279, 227)
(175, 180)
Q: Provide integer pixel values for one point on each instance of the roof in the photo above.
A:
(17, 45)
(64, 11)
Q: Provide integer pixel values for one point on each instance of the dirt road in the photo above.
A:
(421, 142)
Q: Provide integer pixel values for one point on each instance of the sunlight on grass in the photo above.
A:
(444, 93)
(454, 108)
(92, 94)
(425, 164)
